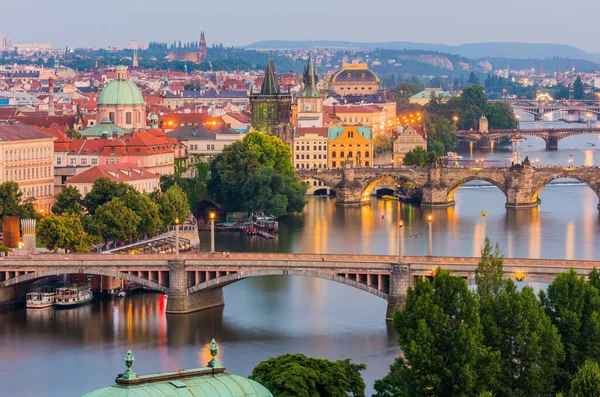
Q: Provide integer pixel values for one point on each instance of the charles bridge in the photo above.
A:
(520, 185)
(195, 281)
(550, 136)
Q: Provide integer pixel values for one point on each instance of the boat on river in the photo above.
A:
(42, 296)
(74, 295)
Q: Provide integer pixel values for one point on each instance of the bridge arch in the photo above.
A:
(457, 185)
(77, 270)
(594, 185)
(232, 278)
(371, 183)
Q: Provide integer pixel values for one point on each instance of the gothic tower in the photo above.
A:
(271, 109)
(310, 101)
(202, 48)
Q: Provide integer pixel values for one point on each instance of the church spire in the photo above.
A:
(310, 79)
(270, 85)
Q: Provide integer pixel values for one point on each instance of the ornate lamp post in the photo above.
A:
(176, 238)
(212, 231)
(400, 240)
(430, 245)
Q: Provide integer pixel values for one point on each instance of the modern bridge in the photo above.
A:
(550, 135)
(195, 281)
(520, 185)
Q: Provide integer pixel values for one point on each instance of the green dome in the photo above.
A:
(121, 92)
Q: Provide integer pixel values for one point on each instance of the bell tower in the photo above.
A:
(310, 101)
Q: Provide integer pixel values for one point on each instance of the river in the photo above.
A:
(67, 353)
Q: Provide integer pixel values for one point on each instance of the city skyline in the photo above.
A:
(461, 22)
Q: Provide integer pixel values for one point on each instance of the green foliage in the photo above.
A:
(500, 115)
(103, 191)
(194, 188)
(586, 382)
(473, 79)
(147, 210)
(382, 143)
(113, 221)
(73, 133)
(295, 375)
(272, 193)
(239, 161)
(489, 272)
(64, 232)
(12, 204)
(419, 157)
(573, 306)
(441, 337)
(578, 92)
(440, 134)
(68, 201)
(173, 204)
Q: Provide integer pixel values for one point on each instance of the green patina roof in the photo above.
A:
(310, 80)
(365, 132)
(270, 85)
(121, 93)
(105, 128)
(427, 94)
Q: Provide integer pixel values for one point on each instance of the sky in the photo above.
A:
(78, 23)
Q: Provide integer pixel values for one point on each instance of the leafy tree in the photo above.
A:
(146, 209)
(273, 193)
(441, 337)
(382, 144)
(103, 191)
(578, 92)
(440, 134)
(474, 79)
(272, 152)
(68, 201)
(173, 203)
(489, 273)
(64, 232)
(573, 306)
(295, 375)
(73, 133)
(586, 382)
(500, 115)
(12, 204)
(114, 221)
(419, 157)
(51, 230)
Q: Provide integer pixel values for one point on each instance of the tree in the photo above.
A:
(442, 340)
(440, 134)
(146, 209)
(64, 232)
(586, 382)
(103, 191)
(382, 144)
(173, 204)
(272, 152)
(51, 230)
(273, 193)
(114, 221)
(489, 272)
(573, 306)
(578, 92)
(419, 157)
(68, 201)
(295, 375)
(12, 204)
(500, 115)
(473, 79)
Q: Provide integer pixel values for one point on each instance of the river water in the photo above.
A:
(67, 353)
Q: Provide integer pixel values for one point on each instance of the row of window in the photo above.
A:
(350, 145)
(208, 147)
(26, 154)
(362, 119)
(350, 154)
(307, 166)
(356, 88)
(38, 191)
(334, 164)
(301, 157)
(298, 148)
(28, 173)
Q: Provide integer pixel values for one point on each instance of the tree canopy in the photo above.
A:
(68, 200)
(419, 157)
(103, 191)
(273, 194)
(295, 375)
(12, 203)
(113, 221)
(64, 232)
(173, 204)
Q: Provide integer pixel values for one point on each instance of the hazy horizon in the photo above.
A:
(76, 23)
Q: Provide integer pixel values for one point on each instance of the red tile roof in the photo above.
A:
(13, 131)
(114, 172)
(321, 131)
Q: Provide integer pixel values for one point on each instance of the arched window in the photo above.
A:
(341, 155)
(333, 155)
(333, 164)
(366, 154)
(350, 154)
(297, 166)
(128, 118)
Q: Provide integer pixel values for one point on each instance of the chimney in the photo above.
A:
(51, 97)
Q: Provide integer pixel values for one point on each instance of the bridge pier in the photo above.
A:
(435, 191)
(485, 144)
(400, 280)
(520, 189)
(180, 301)
(552, 143)
(348, 193)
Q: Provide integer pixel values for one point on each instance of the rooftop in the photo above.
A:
(114, 172)
(11, 130)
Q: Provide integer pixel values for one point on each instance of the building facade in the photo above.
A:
(355, 80)
(122, 103)
(408, 138)
(349, 144)
(27, 157)
(309, 150)
(310, 101)
(137, 177)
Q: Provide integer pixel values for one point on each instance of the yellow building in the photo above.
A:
(409, 137)
(355, 80)
(381, 117)
(350, 143)
(27, 158)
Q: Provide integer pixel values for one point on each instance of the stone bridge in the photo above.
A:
(521, 186)
(550, 136)
(195, 281)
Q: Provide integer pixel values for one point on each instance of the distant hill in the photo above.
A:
(473, 50)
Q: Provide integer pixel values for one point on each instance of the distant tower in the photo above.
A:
(483, 124)
(542, 69)
(310, 101)
(202, 48)
(51, 97)
(135, 63)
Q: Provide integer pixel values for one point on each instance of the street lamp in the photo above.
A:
(537, 162)
(430, 246)
(212, 231)
(176, 238)
(570, 163)
(455, 119)
(400, 240)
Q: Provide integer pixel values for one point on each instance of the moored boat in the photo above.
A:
(74, 295)
(41, 296)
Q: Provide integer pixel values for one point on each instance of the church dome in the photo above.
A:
(121, 91)
(355, 74)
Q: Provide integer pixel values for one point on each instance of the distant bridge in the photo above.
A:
(195, 281)
(549, 135)
(521, 186)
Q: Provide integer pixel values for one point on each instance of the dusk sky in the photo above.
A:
(236, 22)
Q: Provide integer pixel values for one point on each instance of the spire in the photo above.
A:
(128, 374)
(270, 85)
(135, 62)
(214, 350)
(310, 79)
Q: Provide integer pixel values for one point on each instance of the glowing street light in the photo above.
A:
(430, 245)
(176, 238)
(400, 240)
(212, 231)
(455, 119)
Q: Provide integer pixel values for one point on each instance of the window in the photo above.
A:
(314, 148)
(111, 117)
(350, 134)
(210, 147)
(297, 166)
(332, 155)
(342, 155)
(366, 154)
(73, 161)
(128, 118)
(84, 161)
(315, 156)
(94, 161)
(349, 154)
(366, 163)
(297, 157)
(59, 161)
(333, 164)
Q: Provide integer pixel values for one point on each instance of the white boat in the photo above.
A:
(453, 156)
(41, 297)
(75, 295)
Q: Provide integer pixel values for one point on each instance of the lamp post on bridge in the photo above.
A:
(430, 245)
(400, 240)
(212, 232)
(177, 238)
